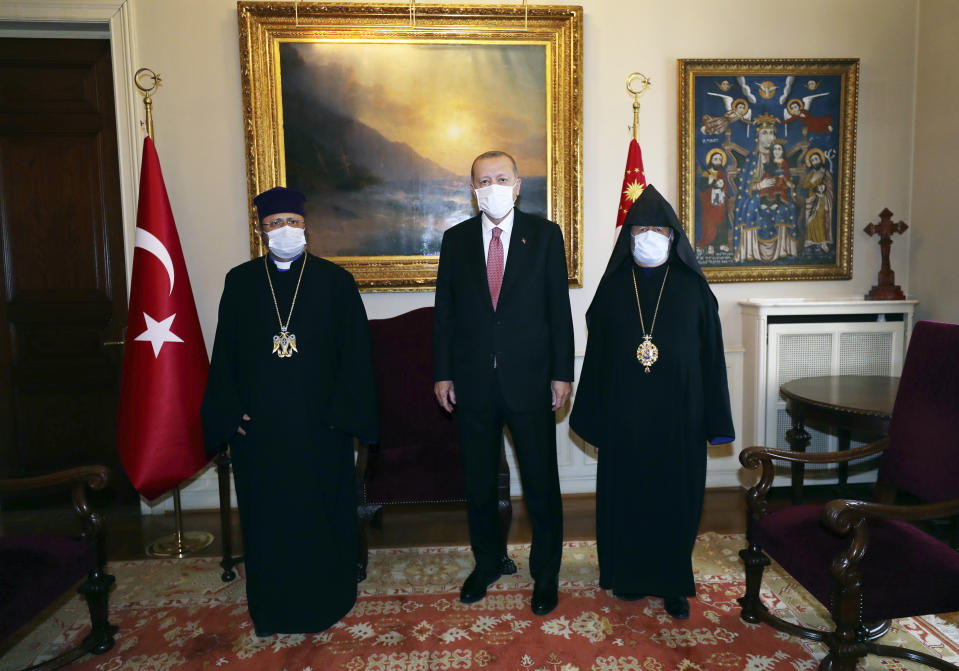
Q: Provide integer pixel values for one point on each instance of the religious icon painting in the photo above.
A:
(376, 111)
(767, 157)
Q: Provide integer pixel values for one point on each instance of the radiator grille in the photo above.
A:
(865, 353)
(804, 355)
(837, 349)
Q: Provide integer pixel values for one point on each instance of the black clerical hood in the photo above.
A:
(650, 209)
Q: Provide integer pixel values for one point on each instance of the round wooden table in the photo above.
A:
(861, 403)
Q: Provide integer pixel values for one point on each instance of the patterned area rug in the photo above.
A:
(179, 615)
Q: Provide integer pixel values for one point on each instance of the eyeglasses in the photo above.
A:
(277, 223)
(662, 230)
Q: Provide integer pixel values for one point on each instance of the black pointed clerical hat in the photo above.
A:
(650, 209)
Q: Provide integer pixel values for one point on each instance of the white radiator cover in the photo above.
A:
(821, 344)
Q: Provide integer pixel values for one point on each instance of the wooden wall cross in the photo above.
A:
(887, 289)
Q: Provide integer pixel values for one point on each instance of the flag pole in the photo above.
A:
(634, 177)
(179, 544)
(644, 83)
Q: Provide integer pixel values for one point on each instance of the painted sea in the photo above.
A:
(400, 218)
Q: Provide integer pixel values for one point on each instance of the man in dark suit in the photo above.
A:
(503, 355)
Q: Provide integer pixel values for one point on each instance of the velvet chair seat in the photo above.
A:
(36, 570)
(901, 558)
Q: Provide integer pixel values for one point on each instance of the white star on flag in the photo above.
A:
(158, 333)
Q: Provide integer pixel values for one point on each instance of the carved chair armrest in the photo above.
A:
(761, 456)
(94, 477)
(842, 515)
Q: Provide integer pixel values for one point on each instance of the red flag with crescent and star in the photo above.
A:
(165, 363)
(634, 181)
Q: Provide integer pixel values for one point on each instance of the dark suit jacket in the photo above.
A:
(530, 334)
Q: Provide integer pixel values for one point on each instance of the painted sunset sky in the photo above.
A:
(448, 102)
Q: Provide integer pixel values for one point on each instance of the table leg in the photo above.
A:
(842, 471)
(799, 440)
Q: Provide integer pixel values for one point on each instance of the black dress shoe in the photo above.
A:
(545, 596)
(677, 606)
(475, 586)
(629, 596)
(508, 566)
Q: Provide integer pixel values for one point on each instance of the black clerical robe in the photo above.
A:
(293, 470)
(651, 428)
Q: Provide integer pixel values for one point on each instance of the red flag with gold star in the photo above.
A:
(633, 182)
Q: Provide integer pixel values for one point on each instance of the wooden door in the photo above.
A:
(61, 258)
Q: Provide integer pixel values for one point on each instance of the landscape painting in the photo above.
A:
(380, 137)
(376, 112)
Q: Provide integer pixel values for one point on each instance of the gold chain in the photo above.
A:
(656, 311)
(273, 293)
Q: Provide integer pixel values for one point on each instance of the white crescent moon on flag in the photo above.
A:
(149, 242)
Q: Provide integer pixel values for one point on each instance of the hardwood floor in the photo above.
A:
(129, 532)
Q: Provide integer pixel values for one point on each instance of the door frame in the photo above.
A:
(119, 16)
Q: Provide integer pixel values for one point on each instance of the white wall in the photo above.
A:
(934, 233)
(198, 118)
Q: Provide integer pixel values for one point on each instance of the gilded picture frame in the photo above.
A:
(767, 159)
(375, 112)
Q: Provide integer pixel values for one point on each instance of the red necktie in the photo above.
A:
(494, 265)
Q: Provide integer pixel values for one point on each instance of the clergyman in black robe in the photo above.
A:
(290, 420)
(651, 421)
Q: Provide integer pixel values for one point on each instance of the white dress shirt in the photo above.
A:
(507, 227)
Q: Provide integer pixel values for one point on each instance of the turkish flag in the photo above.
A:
(165, 364)
(634, 181)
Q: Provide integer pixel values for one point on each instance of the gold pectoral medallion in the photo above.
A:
(647, 353)
(284, 345)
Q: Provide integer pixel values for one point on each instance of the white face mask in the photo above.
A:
(496, 200)
(286, 241)
(651, 248)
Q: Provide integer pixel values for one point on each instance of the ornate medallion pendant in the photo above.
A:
(647, 353)
(284, 345)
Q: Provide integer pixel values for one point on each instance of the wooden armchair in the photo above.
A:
(36, 570)
(418, 457)
(865, 560)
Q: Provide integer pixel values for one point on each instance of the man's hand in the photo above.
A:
(240, 430)
(445, 394)
(560, 393)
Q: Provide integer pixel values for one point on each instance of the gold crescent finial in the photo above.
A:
(644, 80)
(139, 77)
(142, 74)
